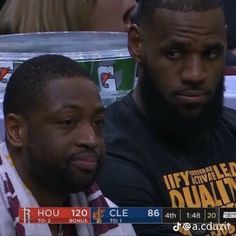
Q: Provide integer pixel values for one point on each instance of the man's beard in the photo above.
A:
(174, 127)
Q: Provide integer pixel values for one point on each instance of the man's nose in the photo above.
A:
(194, 70)
(85, 135)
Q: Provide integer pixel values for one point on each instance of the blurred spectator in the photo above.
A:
(230, 10)
(112, 15)
(19, 16)
(230, 58)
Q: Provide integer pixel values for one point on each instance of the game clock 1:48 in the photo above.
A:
(192, 215)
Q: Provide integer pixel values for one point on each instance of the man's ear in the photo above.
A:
(135, 43)
(15, 129)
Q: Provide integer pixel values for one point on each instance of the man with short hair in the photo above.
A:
(170, 142)
(53, 148)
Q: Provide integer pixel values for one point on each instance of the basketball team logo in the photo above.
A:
(3, 72)
(98, 215)
(24, 215)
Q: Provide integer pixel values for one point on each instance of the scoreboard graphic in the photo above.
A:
(133, 215)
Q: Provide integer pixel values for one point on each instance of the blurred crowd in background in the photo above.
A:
(20, 16)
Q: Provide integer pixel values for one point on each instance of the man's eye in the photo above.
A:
(174, 54)
(68, 122)
(212, 54)
(99, 123)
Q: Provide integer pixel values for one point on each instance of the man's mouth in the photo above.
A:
(192, 96)
(86, 161)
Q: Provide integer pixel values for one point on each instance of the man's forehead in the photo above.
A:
(80, 91)
(170, 19)
(93, 109)
(163, 13)
(77, 82)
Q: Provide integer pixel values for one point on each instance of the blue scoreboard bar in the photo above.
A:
(134, 215)
(159, 215)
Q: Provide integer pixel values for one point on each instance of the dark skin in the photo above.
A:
(59, 148)
(184, 55)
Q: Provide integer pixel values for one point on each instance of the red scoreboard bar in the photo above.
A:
(55, 215)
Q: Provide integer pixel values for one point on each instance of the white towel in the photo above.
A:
(14, 194)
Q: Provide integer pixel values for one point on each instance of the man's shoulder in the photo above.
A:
(120, 116)
(229, 116)
(120, 108)
(123, 125)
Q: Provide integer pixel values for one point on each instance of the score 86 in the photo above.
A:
(153, 212)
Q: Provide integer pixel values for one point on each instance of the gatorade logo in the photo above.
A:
(3, 72)
(107, 79)
(104, 78)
